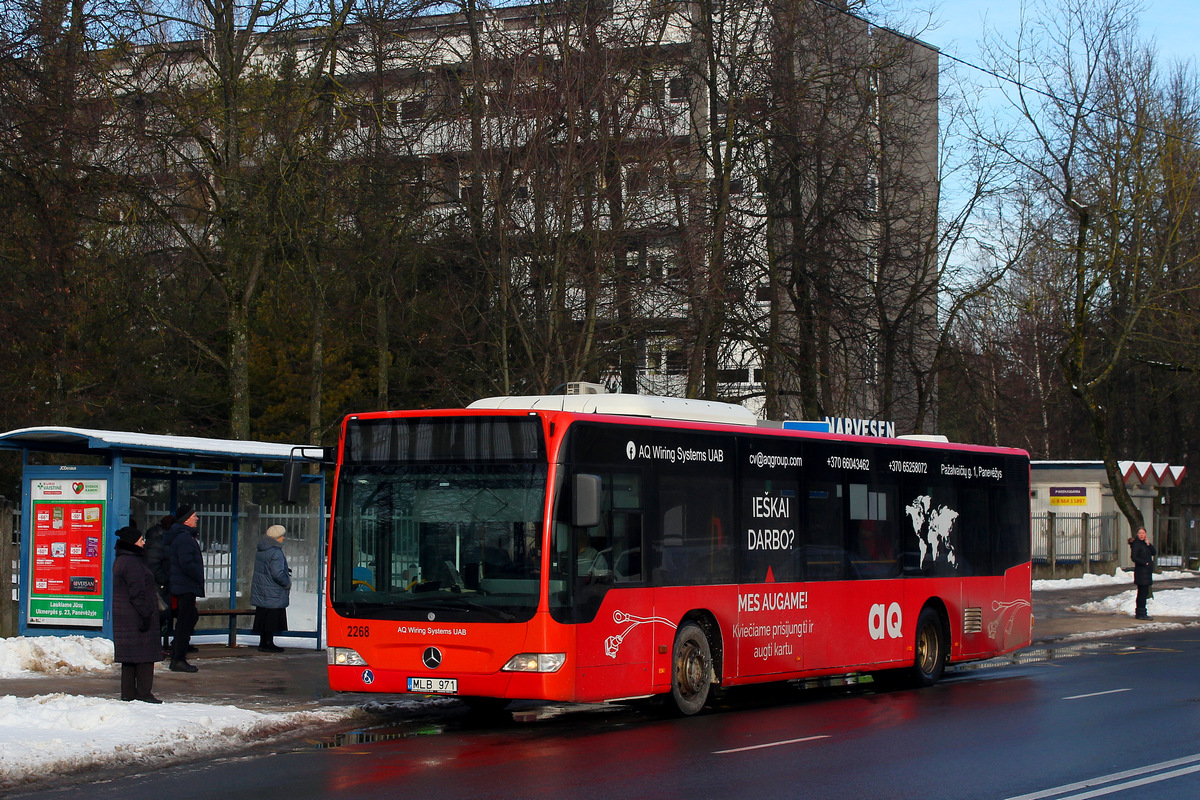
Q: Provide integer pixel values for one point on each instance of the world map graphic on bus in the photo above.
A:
(933, 526)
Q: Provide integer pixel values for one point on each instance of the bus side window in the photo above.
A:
(695, 549)
(671, 561)
(824, 550)
(873, 535)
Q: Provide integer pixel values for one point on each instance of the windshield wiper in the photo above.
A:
(456, 604)
(468, 605)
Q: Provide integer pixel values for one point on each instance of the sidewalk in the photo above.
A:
(296, 680)
(236, 676)
(1053, 622)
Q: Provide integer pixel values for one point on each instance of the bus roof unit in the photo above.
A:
(628, 405)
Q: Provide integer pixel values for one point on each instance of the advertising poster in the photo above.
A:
(67, 556)
(1068, 496)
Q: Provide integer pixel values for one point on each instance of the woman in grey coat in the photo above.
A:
(271, 589)
(136, 644)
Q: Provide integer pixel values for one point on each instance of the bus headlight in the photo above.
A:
(535, 662)
(344, 657)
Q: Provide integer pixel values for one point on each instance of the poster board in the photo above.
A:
(66, 560)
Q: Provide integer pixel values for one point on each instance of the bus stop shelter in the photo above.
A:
(79, 486)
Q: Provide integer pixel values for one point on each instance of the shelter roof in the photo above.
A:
(1136, 473)
(83, 440)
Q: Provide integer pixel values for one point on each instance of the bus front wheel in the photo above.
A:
(691, 669)
(930, 649)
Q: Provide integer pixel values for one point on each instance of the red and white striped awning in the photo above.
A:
(1148, 473)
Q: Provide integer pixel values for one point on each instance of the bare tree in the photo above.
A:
(214, 83)
(1091, 146)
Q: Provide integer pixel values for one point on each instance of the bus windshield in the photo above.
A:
(454, 541)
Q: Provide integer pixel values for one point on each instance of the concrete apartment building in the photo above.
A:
(722, 200)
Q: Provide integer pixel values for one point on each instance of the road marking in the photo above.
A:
(1060, 792)
(1096, 694)
(768, 744)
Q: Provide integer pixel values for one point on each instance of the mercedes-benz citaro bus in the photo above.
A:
(599, 547)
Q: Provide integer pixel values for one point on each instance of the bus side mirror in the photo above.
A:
(289, 492)
(585, 512)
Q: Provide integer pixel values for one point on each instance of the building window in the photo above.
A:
(680, 90)
(411, 110)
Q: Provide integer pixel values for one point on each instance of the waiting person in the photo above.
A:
(1142, 553)
(270, 591)
(135, 617)
(160, 565)
(182, 541)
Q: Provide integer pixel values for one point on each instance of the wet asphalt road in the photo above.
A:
(1113, 715)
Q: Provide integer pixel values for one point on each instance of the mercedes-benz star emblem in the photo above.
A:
(432, 657)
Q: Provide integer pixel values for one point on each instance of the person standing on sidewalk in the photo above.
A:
(1142, 553)
(160, 565)
(270, 590)
(135, 617)
(182, 541)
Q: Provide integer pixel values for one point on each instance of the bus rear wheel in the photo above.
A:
(930, 649)
(691, 669)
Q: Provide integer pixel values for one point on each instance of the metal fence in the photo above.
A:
(1074, 539)
(228, 571)
(302, 546)
(1177, 540)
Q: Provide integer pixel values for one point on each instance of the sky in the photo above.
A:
(68, 733)
(1174, 24)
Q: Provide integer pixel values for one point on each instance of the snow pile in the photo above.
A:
(1089, 581)
(54, 655)
(67, 733)
(62, 733)
(1168, 603)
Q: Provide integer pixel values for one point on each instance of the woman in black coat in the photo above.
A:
(1142, 554)
(136, 644)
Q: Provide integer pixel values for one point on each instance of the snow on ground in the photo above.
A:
(67, 733)
(1089, 581)
(1165, 602)
(58, 733)
(54, 655)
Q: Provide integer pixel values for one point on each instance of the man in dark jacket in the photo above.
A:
(182, 542)
(160, 565)
(1142, 553)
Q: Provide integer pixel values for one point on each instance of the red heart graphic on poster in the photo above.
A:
(77, 486)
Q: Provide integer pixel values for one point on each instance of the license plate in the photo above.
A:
(433, 685)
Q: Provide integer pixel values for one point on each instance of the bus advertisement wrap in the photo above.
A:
(590, 557)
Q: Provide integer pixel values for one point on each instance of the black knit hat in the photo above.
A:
(183, 513)
(129, 535)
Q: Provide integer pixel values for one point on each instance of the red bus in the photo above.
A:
(605, 547)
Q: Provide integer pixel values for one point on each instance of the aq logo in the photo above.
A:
(882, 622)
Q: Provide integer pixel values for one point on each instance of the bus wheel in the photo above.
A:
(691, 669)
(930, 658)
